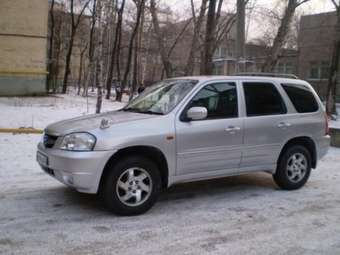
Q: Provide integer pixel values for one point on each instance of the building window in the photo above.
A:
(220, 52)
(319, 70)
(218, 68)
(314, 70)
(287, 68)
(223, 52)
(324, 70)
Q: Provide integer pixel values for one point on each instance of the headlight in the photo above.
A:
(78, 142)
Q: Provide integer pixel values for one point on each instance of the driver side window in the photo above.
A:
(220, 99)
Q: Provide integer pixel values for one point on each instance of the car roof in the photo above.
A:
(204, 78)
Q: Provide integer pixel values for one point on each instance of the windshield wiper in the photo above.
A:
(129, 109)
(151, 112)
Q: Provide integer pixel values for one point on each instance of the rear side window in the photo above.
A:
(263, 99)
(301, 97)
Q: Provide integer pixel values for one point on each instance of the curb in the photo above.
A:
(21, 130)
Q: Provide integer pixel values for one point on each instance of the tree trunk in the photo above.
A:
(240, 39)
(135, 70)
(56, 70)
(166, 62)
(114, 50)
(50, 50)
(146, 57)
(119, 93)
(136, 60)
(334, 71)
(279, 41)
(98, 55)
(91, 66)
(81, 60)
(68, 64)
(74, 25)
(207, 67)
(129, 58)
(190, 66)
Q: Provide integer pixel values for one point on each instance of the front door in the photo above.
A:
(214, 143)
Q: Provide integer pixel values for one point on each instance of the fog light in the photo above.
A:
(68, 179)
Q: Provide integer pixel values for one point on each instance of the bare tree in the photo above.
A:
(50, 49)
(195, 38)
(162, 51)
(98, 57)
(140, 8)
(81, 65)
(91, 66)
(209, 41)
(118, 50)
(58, 40)
(281, 36)
(335, 65)
(75, 20)
(115, 49)
(136, 57)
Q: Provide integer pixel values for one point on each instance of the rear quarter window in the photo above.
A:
(302, 98)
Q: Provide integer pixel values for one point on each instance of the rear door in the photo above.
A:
(267, 125)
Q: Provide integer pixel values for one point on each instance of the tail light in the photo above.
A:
(326, 125)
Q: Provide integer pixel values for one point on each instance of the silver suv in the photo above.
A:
(188, 129)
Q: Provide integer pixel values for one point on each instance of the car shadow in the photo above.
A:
(233, 187)
(247, 182)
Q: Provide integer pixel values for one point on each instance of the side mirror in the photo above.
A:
(197, 113)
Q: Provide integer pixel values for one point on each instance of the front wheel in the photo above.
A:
(132, 186)
(293, 168)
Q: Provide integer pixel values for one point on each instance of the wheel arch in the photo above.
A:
(305, 141)
(150, 152)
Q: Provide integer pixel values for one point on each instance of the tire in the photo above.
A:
(128, 194)
(291, 173)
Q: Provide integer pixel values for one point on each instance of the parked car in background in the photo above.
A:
(188, 129)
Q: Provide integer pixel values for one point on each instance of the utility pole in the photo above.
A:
(240, 36)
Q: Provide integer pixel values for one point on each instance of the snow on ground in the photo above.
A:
(38, 112)
(335, 123)
(237, 215)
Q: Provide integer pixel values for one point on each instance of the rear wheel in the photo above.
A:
(132, 186)
(293, 168)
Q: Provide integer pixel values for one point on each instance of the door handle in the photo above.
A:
(283, 124)
(232, 129)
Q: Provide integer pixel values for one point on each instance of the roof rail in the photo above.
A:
(280, 75)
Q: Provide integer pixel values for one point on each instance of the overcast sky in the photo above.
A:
(314, 6)
(256, 27)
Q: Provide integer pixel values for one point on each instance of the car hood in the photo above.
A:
(93, 121)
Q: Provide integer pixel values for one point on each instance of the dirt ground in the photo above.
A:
(237, 215)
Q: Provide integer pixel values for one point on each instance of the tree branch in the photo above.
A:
(81, 13)
(335, 4)
(178, 37)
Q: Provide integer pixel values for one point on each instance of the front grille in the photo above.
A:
(49, 140)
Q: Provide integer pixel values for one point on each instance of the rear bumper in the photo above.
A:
(323, 146)
(80, 170)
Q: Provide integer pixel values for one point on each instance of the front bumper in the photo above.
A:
(80, 170)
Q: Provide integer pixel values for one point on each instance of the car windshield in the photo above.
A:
(161, 98)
